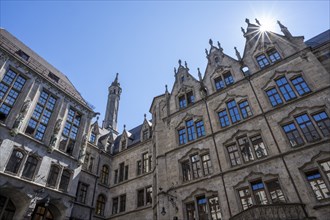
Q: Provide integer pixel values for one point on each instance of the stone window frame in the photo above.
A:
(182, 125)
(200, 192)
(223, 106)
(249, 134)
(22, 91)
(219, 73)
(145, 196)
(105, 173)
(291, 118)
(264, 50)
(254, 177)
(187, 157)
(289, 75)
(100, 204)
(183, 92)
(118, 198)
(59, 176)
(79, 128)
(314, 164)
(26, 155)
(79, 190)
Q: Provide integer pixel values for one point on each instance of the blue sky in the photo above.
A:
(90, 41)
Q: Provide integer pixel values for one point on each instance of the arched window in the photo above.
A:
(53, 175)
(42, 212)
(105, 174)
(100, 205)
(15, 161)
(30, 167)
(65, 179)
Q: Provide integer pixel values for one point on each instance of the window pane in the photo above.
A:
(293, 135)
(15, 161)
(259, 193)
(223, 118)
(52, 176)
(148, 195)
(30, 167)
(191, 130)
(140, 197)
(233, 111)
(182, 136)
(182, 102)
(300, 85)
(228, 78)
(202, 208)
(196, 166)
(285, 89)
(307, 128)
(317, 184)
(274, 97)
(245, 109)
(262, 61)
(323, 122)
(186, 171)
(207, 165)
(234, 155)
(122, 203)
(115, 205)
(200, 129)
(219, 84)
(65, 179)
(275, 192)
(190, 210)
(273, 55)
(245, 197)
(215, 208)
(245, 148)
(190, 98)
(259, 147)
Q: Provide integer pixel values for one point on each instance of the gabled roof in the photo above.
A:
(319, 39)
(39, 65)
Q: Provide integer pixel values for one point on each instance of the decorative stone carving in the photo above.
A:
(82, 151)
(20, 118)
(54, 136)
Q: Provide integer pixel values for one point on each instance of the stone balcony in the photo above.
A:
(284, 211)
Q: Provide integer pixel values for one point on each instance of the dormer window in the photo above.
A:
(186, 99)
(53, 77)
(219, 83)
(123, 144)
(270, 57)
(92, 138)
(23, 55)
(145, 134)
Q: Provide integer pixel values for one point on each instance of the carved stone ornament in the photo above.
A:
(20, 118)
(82, 151)
(54, 137)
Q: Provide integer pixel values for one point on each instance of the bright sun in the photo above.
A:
(267, 24)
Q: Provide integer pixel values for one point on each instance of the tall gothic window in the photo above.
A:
(41, 115)
(318, 185)
(186, 99)
(7, 208)
(100, 205)
(82, 192)
(15, 161)
(191, 131)
(323, 122)
(30, 167)
(285, 89)
(53, 175)
(70, 131)
(10, 87)
(233, 111)
(65, 180)
(198, 165)
(105, 174)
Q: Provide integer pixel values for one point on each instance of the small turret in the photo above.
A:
(284, 30)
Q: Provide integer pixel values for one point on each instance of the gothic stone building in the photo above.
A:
(248, 139)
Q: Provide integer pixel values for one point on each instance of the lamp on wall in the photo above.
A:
(171, 199)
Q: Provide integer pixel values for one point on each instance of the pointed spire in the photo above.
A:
(219, 46)
(247, 21)
(166, 90)
(115, 82)
(207, 53)
(238, 54)
(284, 30)
(211, 42)
(242, 29)
(199, 74)
(145, 115)
(124, 127)
(179, 63)
(257, 21)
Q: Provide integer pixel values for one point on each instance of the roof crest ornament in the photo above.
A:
(207, 53)
(185, 64)
(238, 55)
(257, 21)
(166, 88)
(199, 74)
(247, 21)
(211, 42)
(179, 63)
(243, 30)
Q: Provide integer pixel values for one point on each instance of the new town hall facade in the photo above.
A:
(248, 139)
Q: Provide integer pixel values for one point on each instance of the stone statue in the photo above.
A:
(82, 150)
(20, 118)
(54, 137)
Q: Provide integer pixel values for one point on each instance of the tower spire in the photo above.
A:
(111, 112)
